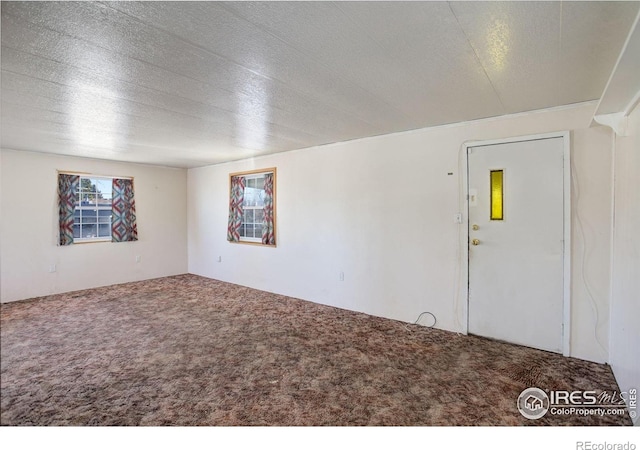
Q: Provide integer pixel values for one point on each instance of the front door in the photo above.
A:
(516, 223)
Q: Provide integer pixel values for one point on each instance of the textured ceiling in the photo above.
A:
(187, 84)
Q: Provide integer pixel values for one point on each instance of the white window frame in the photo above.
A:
(97, 208)
(253, 176)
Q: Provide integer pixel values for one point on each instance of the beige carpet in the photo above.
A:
(187, 350)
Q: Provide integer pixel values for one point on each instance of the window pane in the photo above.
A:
(76, 231)
(251, 183)
(103, 187)
(242, 232)
(89, 216)
(249, 197)
(253, 197)
(260, 183)
(260, 197)
(87, 191)
(103, 201)
(496, 177)
(95, 191)
(104, 215)
(259, 216)
(104, 230)
(248, 216)
(89, 231)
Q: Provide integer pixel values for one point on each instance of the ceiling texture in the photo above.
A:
(187, 84)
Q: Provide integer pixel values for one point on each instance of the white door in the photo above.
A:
(516, 225)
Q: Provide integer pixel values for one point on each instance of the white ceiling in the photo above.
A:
(187, 84)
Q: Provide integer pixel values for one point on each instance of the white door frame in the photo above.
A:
(566, 247)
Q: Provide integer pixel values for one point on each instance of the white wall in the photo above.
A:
(381, 210)
(625, 302)
(28, 224)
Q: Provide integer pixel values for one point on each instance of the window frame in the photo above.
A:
(92, 176)
(254, 174)
(93, 179)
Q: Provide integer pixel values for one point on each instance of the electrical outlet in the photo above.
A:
(341, 276)
(138, 258)
(457, 218)
(219, 258)
(52, 268)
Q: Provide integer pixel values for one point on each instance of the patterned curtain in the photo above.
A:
(236, 198)
(268, 229)
(123, 222)
(67, 196)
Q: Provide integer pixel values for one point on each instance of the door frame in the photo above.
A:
(566, 247)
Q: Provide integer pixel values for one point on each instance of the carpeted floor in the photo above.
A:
(187, 350)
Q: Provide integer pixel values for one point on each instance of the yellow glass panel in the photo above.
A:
(497, 200)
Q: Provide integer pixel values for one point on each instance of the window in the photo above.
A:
(93, 212)
(93, 208)
(252, 207)
(497, 195)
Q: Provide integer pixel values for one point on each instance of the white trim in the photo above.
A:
(256, 175)
(509, 140)
(250, 239)
(566, 300)
(618, 122)
(465, 237)
(566, 247)
(615, 68)
(612, 239)
(87, 240)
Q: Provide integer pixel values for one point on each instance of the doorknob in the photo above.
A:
(475, 241)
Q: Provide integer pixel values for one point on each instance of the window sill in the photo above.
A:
(91, 241)
(259, 244)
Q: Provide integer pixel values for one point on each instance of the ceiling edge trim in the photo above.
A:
(616, 121)
(419, 130)
(627, 108)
